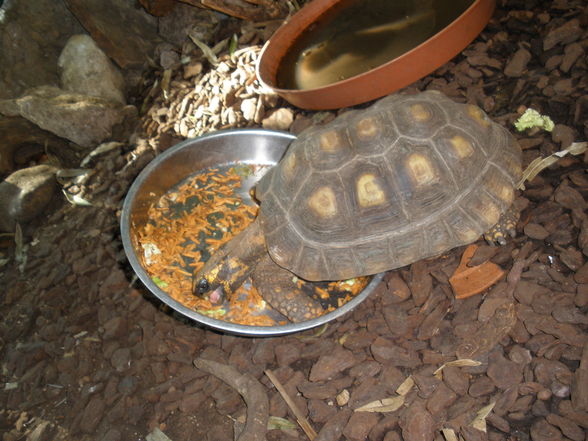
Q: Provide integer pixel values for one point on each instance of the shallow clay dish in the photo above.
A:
(230, 147)
(380, 81)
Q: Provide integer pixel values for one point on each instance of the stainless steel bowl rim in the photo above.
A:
(255, 331)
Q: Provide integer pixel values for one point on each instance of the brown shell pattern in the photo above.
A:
(408, 178)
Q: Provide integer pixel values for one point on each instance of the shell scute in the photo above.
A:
(379, 188)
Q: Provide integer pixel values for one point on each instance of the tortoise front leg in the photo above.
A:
(227, 269)
(277, 287)
(506, 225)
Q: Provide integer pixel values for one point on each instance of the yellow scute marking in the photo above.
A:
(491, 213)
(369, 192)
(323, 202)
(420, 112)
(330, 141)
(468, 235)
(289, 166)
(462, 147)
(506, 193)
(421, 170)
(476, 113)
(366, 128)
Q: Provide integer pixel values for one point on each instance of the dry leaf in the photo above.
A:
(462, 362)
(449, 434)
(75, 199)
(278, 423)
(405, 387)
(384, 405)
(480, 421)
(537, 165)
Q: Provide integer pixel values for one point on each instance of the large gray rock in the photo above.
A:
(24, 195)
(32, 34)
(83, 119)
(88, 71)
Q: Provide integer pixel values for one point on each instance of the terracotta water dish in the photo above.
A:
(381, 80)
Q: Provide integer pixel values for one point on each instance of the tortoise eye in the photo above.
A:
(203, 286)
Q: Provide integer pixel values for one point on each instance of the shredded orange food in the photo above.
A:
(191, 222)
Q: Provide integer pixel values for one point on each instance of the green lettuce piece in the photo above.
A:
(531, 118)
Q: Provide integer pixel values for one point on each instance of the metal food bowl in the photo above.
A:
(244, 146)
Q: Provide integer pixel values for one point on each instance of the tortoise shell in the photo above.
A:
(379, 188)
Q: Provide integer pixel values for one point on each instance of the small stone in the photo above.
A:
(114, 328)
(44, 431)
(568, 427)
(417, 424)
(359, 339)
(517, 65)
(287, 353)
(563, 135)
(398, 291)
(536, 231)
(564, 87)
(385, 351)
(92, 415)
(569, 314)
(442, 398)
(192, 69)
(580, 383)
(541, 430)
(581, 275)
(457, 380)
(359, 425)
(127, 385)
(329, 365)
(321, 412)
(397, 320)
(567, 33)
(280, 119)
(333, 428)
(318, 391)
(569, 197)
(121, 359)
(169, 59)
(504, 373)
(191, 403)
(520, 355)
(481, 386)
(368, 368)
(248, 107)
(581, 299)
(572, 52)
(572, 258)
(111, 435)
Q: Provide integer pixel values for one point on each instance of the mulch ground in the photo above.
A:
(87, 354)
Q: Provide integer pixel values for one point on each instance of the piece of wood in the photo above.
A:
(250, 10)
(310, 432)
(468, 281)
(252, 391)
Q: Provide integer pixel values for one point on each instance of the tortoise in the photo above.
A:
(410, 177)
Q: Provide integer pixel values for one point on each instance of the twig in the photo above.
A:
(310, 432)
(250, 389)
(521, 262)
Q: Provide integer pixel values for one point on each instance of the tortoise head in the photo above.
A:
(209, 283)
(229, 266)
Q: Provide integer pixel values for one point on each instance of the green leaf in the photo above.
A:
(277, 423)
(531, 118)
(159, 282)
